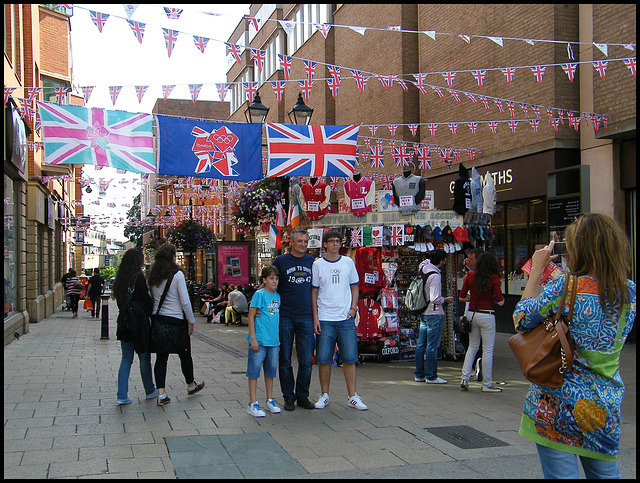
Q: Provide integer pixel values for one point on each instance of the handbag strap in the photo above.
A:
(164, 294)
(567, 357)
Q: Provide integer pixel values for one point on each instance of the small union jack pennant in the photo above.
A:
(536, 110)
(222, 91)
(414, 129)
(137, 28)
(254, 21)
(200, 42)
(361, 81)
(140, 90)
(392, 129)
(512, 108)
(170, 38)
(508, 73)
(538, 71)
(424, 158)
(493, 125)
(420, 78)
(195, 91)
(446, 154)
(7, 93)
(305, 87)
(173, 13)
(250, 88)
(258, 56)
(471, 152)
(278, 89)
(485, 101)
(373, 129)
(449, 76)
(87, 90)
(513, 125)
(499, 104)
(479, 75)
(60, 92)
(631, 64)
(453, 126)
(525, 109)
(455, 95)
(534, 124)
(601, 67)
(377, 155)
(310, 67)
(323, 28)
(285, 63)
(466, 38)
(166, 90)
(570, 70)
(334, 83)
(432, 128)
(471, 97)
(32, 93)
(438, 91)
(473, 126)
(99, 19)
(386, 80)
(234, 50)
(113, 92)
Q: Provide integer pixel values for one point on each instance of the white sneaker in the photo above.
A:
(272, 406)
(254, 410)
(356, 402)
(437, 380)
(323, 400)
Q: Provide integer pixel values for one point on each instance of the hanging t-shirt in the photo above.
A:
(294, 286)
(359, 195)
(333, 279)
(370, 319)
(476, 191)
(314, 199)
(267, 325)
(369, 266)
(489, 195)
(408, 193)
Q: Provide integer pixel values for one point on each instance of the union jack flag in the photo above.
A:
(377, 155)
(453, 126)
(250, 88)
(631, 64)
(420, 78)
(195, 91)
(334, 70)
(471, 97)
(513, 125)
(278, 89)
(512, 108)
(473, 126)
(455, 95)
(254, 21)
(438, 91)
(395, 154)
(138, 29)
(311, 150)
(234, 50)
(466, 38)
(446, 154)
(170, 38)
(485, 101)
(449, 77)
(99, 19)
(424, 157)
(432, 128)
(114, 91)
(499, 104)
(386, 80)
(333, 84)
(32, 93)
(373, 129)
(77, 135)
(173, 13)
(87, 90)
(536, 110)
(222, 90)
(356, 236)
(60, 92)
(310, 67)
(569, 69)
(601, 67)
(479, 75)
(285, 63)
(7, 93)
(414, 129)
(525, 109)
(166, 90)
(140, 90)
(538, 71)
(305, 87)
(534, 124)
(258, 56)
(509, 73)
(397, 235)
(386, 180)
(392, 129)
(361, 81)
(200, 42)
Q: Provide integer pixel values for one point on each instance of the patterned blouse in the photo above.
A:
(583, 416)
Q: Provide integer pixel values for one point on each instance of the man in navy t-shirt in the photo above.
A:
(296, 320)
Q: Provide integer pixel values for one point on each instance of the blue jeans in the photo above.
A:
(342, 332)
(266, 357)
(429, 340)
(302, 329)
(125, 370)
(557, 464)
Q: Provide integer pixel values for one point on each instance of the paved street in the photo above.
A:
(61, 419)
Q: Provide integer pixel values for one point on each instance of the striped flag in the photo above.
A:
(293, 217)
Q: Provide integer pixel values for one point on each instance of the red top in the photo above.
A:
(487, 299)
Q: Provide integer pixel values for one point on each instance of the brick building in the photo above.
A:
(38, 245)
(542, 178)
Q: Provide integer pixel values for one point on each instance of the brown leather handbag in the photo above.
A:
(545, 352)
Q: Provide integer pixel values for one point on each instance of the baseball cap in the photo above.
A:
(461, 234)
(437, 234)
(428, 232)
(447, 234)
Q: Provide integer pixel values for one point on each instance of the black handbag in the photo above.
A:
(169, 335)
(463, 325)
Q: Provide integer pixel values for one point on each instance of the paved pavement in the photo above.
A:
(61, 419)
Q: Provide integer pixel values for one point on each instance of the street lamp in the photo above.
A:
(300, 113)
(256, 112)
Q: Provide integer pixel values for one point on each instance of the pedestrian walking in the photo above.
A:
(95, 288)
(481, 288)
(334, 298)
(431, 320)
(74, 290)
(582, 417)
(130, 275)
(264, 341)
(173, 320)
(67, 299)
(296, 321)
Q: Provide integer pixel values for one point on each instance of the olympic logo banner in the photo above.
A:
(209, 149)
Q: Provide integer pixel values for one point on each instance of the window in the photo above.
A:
(49, 87)
(11, 264)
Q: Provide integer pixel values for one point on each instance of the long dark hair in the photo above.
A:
(164, 264)
(486, 266)
(130, 267)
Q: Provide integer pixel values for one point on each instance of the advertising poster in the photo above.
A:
(233, 263)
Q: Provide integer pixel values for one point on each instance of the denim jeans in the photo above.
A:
(125, 370)
(266, 358)
(300, 328)
(342, 332)
(429, 339)
(557, 464)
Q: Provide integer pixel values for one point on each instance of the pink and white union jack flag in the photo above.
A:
(137, 29)
(173, 13)
(170, 38)
(195, 91)
(99, 19)
(60, 92)
(324, 28)
(166, 90)
(87, 90)
(285, 64)
(78, 135)
(140, 90)
(296, 150)
(114, 91)
(200, 42)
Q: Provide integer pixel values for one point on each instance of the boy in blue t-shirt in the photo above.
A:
(264, 340)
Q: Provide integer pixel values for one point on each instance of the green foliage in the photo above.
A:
(133, 229)
(255, 203)
(189, 235)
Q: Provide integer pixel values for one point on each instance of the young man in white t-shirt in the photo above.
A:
(334, 299)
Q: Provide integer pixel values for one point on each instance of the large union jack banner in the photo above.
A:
(79, 135)
(311, 150)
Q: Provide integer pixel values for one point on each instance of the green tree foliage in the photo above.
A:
(133, 230)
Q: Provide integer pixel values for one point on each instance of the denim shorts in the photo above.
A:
(344, 333)
(266, 357)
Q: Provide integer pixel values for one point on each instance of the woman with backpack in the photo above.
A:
(130, 276)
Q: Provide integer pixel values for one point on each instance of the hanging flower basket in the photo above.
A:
(191, 235)
(254, 207)
(151, 245)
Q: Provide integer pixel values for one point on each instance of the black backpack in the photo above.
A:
(415, 299)
(133, 322)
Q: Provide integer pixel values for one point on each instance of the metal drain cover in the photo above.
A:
(465, 437)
